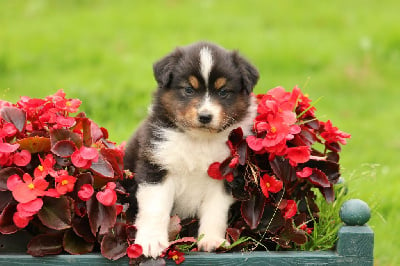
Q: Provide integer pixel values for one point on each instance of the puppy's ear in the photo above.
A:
(248, 71)
(164, 68)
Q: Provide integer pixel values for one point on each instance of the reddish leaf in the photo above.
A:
(81, 227)
(56, 213)
(64, 148)
(5, 198)
(101, 218)
(45, 244)
(57, 135)
(5, 173)
(283, 170)
(7, 225)
(242, 151)
(116, 159)
(103, 167)
(328, 193)
(74, 244)
(290, 234)
(233, 233)
(253, 209)
(15, 116)
(35, 144)
(114, 244)
(319, 178)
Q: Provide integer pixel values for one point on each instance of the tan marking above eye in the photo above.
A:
(219, 83)
(194, 82)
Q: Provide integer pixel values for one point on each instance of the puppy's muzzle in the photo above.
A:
(205, 118)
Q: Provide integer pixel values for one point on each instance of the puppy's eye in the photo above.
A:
(223, 93)
(189, 91)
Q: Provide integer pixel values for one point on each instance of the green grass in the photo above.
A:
(348, 52)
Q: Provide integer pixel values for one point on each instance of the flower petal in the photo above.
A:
(134, 251)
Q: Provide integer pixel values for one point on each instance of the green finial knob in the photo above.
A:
(355, 212)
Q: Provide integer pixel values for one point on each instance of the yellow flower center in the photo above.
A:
(68, 103)
(175, 257)
(268, 184)
(64, 182)
(31, 186)
(273, 129)
(41, 168)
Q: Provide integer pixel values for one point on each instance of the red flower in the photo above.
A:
(69, 105)
(134, 251)
(46, 167)
(290, 209)
(215, 172)
(65, 183)
(304, 227)
(22, 158)
(85, 192)
(30, 208)
(27, 189)
(108, 196)
(306, 172)
(65, 121)
(84, 157)
(8, 130)
(176, 256)
(333, 134)
(298, 155)
(21, 221)
(270, 184)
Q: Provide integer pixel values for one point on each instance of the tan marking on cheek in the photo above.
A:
(219, 83)
(194, 82)
(187, 115)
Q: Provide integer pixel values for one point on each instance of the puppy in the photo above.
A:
(204, 92)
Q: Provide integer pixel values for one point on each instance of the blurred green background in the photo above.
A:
(347, 52)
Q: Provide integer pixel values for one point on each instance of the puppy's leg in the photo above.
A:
(213, 218)
(155, 204)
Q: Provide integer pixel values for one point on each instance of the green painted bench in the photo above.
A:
(354, 247)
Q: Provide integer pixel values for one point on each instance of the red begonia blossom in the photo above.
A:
(270, 184)
(22, 158)
(108, 196)
(304, 227)
(30, 208)
(84, 157)
(134, 251)
(85, 192)
(215, 172)
(21, 221)
(305, 172)
(46, 167)
(27, 189)
(298, 155)
(65, 121)
(8, 130)
(68, 105)
(332, 134)
(65, 183)
(290, 209)
(176, 256)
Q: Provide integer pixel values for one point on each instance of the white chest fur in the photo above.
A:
(186, 157)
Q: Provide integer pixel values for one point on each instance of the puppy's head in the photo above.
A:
(204, 87)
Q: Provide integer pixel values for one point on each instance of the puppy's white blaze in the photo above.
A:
(206, 63)
(207, 106)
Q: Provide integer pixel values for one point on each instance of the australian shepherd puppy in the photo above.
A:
(204, 92)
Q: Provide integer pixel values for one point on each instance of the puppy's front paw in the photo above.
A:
(152, 245)
(210, 243)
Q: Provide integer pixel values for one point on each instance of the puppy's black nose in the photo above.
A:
(205, 118)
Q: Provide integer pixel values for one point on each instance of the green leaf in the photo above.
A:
(56, 213)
